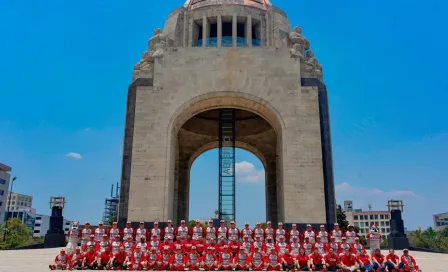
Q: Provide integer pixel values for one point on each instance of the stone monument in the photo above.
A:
(241, 55)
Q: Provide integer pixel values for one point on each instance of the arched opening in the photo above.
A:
(250, 187)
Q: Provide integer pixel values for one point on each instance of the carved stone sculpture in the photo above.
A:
(299, 43)
(157, 43)
(312, 66)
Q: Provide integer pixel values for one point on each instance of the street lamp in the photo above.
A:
(7, 212)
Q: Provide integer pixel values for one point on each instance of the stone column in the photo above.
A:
(234, 29)
(219, 30)
(204, 31)
(249, 30)
(185, 31)
(190, 33)
(271, 191)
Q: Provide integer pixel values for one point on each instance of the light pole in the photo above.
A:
(7, 212)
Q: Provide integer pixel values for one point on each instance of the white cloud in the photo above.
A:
(346, 188)
(74, 155)
(247, 173)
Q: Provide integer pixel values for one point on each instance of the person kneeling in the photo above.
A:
(61, 262)
(288, 261)
(316, 262)
(104, 260)
(332, 260)
(257, 260)
(151, 259)
(178, 260)
(225, 259)
(302, 260)
(120, 259)
(209, 262)
(349, 262)
(273, 261)
(193, 259)
(241, 260)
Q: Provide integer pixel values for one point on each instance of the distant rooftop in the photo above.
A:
(5, 168)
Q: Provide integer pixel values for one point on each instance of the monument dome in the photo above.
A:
(194, 4)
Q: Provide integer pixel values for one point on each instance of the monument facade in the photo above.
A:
(238, 55)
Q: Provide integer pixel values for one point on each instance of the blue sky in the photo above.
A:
(65, 67)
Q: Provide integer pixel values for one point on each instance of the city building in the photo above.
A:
(19, 201)
(440, 221)
(4, 187)
(364, 219)
(42, 225)
(26, 215)
(348, 205)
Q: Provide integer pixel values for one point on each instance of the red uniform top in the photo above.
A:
(214, 247)
(257, 258)
(106, 256)
(332, 259)
(186, 246)
(120, 257)
(88, 244)
(76, 257)
(288, 259)
(62, 259)
(317, 259)
(241, 259)
(357, 248)
(234, 247)
(364, 259)
(90, 257)
(225, 258)
(220, 246)
(164, 245)
(164, 258)
(408, 261)
(302, 259)
(112, 232)
(137, 257)
(102, 244)
(379, 258)
(200, 246)
(272, 259)
(349, 260)
(209, 259)
(178, 259)
(394, 259)
(197, 233)
(233, 233)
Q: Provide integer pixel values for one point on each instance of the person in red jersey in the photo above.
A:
(242, 260)
(128, 231)
(225, 259)
(187, 245)
(182, 231)
(294, 246)
(89, 260)
(323, 235)
(120, 259)
(155, 242)
(334, 245)
(164, 259)
(166, 244)
(302, 260)
(222, 230)
(143, 245)
(408, 262)
(357, 247)
(115, 245)
(209, 261)
(89, 243)
(332, 260)
(61, 261)
(193, 259)
(113, 232)
(247, 231)
(280, 232)
(310, 234)
(156, 231)
(337, 233)
(178, 242)
(258, 230)
(151, 259)
(178, 260)
(365, 263)
(221, 243)
(269, 244)
(344, 247)
(269, 231)
(378, 260)
(76, 259)
(392, 261)
(211, 231)
(374, 238)
(309, 248)
(349, 262)
(321, 247)
(281, 245)
(104, 260)
(85, 234)
(273, 261)
(288, 261)
(257, 259)
(317, 262)
(246, 244)
(200, 247)
(197, 232)
(137, 259)
(233, 232)
(234, 246)
(350, 234)
(99, 232)
(100, 247)
(259, 243)
(141, 232)
(169, 232)
(214, 246)
(294, 232)
(129, 245)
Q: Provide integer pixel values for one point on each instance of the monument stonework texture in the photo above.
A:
(227, 54)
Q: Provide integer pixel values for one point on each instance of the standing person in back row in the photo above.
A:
(336, 233)
(222, 231)
(182, 231)
(169, 232)
(350, 234)
(99, 232)
(141, 232)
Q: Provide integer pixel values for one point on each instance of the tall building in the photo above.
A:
(42, 225)
(26, 215)
(348, 205)
(364, 219)
(440, 221)
(19, 201)
(4, 186)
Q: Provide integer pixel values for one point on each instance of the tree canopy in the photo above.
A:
(17, 234)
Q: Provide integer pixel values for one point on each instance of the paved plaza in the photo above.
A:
(37, 260)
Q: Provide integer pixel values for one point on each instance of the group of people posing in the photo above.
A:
(225, 248)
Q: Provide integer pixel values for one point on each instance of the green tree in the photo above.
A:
(341, 218)
(192, 223)
(264, 225)
(16, 235)
(430, 239)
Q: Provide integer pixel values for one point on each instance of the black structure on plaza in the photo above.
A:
(227, 164)
(397, 238)
(55, 236)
